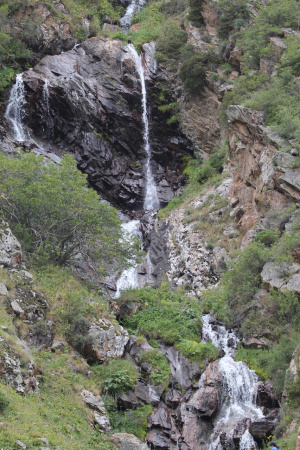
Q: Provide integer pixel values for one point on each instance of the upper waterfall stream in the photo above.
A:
(151, 201)
(15, 111)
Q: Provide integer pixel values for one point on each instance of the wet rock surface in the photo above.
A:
(94, 112)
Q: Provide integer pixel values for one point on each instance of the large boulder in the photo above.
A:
(124, 441)
(105, 341)
(10, 248)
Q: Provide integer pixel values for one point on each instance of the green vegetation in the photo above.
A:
(129, 421)
(55, 215)
(56, 412)
(117, 376)
(197, 351)
(273, 363)
(164, 314)
(160, 370)
(195, 12)
(233, 14)
(277, 96)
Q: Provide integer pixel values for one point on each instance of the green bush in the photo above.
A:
(192, 73)
(118, 375)
(197, 351)
(232, 15)
(164, 314)
(267, 238)
(54, 214)
(160, 369)
(171, 39)
(205, 172)
(195, 12)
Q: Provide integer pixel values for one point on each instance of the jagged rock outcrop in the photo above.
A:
(101, 418)
(263, 177)
(104, 341)
(10, 248)
(88, 102)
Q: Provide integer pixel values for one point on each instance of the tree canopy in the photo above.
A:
(56, 215)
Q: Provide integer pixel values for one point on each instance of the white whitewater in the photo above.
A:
(151, 201)
(131, 9)
(238, 393)
(15, 109)
(129, 277)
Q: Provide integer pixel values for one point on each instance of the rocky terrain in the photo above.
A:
(202, 351)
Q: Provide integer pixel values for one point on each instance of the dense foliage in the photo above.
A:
(55, 215)
(164, 314)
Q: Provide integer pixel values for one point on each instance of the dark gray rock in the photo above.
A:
(148, 394)
(95, 114)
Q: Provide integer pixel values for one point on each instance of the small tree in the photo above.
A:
(192, 73)
(56, 215)
(195, 14)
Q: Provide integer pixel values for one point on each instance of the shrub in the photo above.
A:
(171, 39)
(197, 351)
(192, 73)
(118, 375)
(195, 13)
(54, 214)
(267, 238)
(160, 370)
(205, 172)
(232, 15)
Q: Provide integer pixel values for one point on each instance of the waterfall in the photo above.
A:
(131, 9)
(129, 277)
(238, 393)
(15, 109)
(151, 201)
(46, 109)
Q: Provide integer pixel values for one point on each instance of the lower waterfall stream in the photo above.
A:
(238, 393)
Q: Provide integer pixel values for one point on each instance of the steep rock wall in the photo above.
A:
(87, 102)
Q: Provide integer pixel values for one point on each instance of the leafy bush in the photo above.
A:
(197, 351)
(267, 238)
(232, 15)
(160, 369)
(195, 13)
(171, 39)
(205, 172)
(118, 375)
(164, 314)
(192, 73)
(54, 214)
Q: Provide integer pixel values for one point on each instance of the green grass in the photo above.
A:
(164, 314)
(160, 369)
(52, 411)
(197, 351)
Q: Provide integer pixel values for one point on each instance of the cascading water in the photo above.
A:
(46, 108)
(15, 112)
(129, 277)
(238, 393)
(132, 8)
(151, 201)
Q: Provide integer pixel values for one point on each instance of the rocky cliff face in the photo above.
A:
(88, 102)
